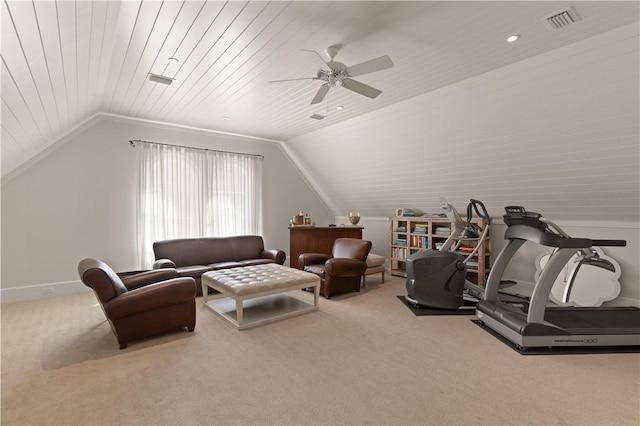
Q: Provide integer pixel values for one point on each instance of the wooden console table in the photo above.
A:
(317, 239)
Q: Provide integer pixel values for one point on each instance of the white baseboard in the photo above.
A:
(41, 291)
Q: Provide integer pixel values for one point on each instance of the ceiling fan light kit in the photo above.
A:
(339, 74)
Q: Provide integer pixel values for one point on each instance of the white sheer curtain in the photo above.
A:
(189, 193)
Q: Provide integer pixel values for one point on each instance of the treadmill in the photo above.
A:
(540, 325)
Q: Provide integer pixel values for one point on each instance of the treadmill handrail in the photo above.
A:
(549, 239)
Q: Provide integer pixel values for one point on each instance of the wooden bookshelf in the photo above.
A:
(409, 235)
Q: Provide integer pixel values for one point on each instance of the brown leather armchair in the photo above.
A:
(342, 271)
(143, 304)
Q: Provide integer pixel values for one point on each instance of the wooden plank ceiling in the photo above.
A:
(65, 61)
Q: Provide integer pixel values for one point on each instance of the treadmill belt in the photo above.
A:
(588, 320)
(561, 350)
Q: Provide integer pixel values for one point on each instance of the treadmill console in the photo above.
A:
(518, 215)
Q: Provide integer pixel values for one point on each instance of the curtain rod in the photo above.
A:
(133, 144)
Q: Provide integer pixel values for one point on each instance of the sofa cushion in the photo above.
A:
(250, 262)
(246, 247)
(216, 250)
(319, 270)
(193, 271)
(224, 265)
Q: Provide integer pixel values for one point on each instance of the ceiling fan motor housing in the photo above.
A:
(331, 52)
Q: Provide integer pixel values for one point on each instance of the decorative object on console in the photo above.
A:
(298, 219)
(354, 218)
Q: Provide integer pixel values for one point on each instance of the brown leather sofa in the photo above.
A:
(144, 304)
(342, 271)
(191, 257)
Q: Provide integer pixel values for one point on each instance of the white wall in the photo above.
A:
(79, 201)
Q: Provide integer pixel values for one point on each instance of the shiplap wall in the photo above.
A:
(557, 133)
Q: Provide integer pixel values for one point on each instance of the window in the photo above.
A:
(191, 193)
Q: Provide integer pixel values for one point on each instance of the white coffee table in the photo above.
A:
(253, 295)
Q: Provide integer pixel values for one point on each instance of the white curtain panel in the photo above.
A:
(191, 193)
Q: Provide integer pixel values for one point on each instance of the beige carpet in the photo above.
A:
(363, 358)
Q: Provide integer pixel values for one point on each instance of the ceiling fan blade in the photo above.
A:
(361, 88)
(320, 94)
(373, 65)
(293, 79)
(318, 55)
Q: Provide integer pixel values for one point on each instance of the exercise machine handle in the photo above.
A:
(482, 214)
(609, 243)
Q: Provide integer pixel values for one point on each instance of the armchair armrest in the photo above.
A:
(163, 263)
(306, 259)
(145, 278)
(345, 267)
(154, 296)
(277, 256)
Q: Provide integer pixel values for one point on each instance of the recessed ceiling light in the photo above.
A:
(225, 118)
(512, 38)
(173, 60)
(339, 107)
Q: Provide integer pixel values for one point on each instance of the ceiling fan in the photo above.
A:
(339, 74)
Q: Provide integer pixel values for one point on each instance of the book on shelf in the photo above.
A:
(399, 253)
(419, 241)
(442, 230)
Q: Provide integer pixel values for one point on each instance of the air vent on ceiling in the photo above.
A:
(561, 19)
(316, 116)
(160, 79)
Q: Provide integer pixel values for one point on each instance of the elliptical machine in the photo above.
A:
(437, 278)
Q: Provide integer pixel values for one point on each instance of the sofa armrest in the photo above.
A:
(345, 267)
(145, 278)
(306, 259)
(154, 296)
(277, 256)
(163, 263)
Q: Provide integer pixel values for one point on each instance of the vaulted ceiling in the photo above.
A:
(65, 61)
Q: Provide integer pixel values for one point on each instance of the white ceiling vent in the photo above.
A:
(316, 116)
(160, 79)
(561, 19)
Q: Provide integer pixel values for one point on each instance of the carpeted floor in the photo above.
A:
(363, 358)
